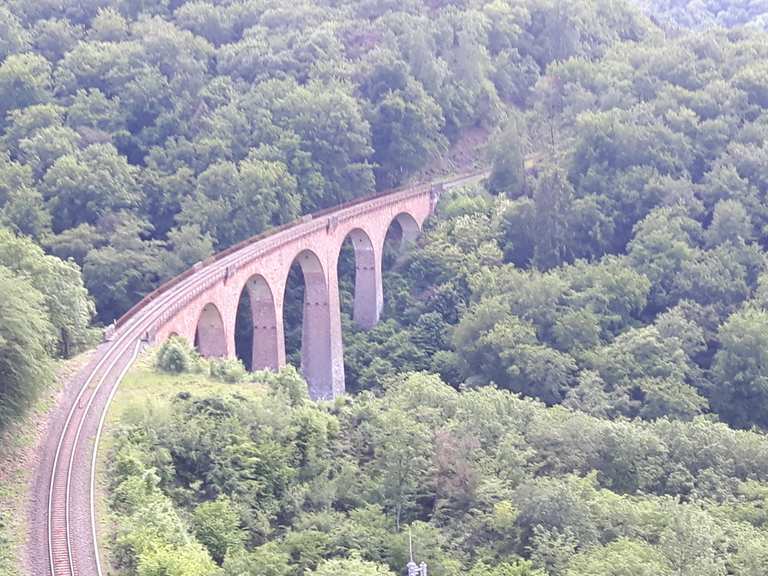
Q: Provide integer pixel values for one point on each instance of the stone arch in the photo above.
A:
(210, 336)
(316, 356)
(265, 344)
(368, 299)
(407, 227)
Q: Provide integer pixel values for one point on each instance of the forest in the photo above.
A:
(571, 374)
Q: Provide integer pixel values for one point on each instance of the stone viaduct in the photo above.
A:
(206, 313)
(201, 305)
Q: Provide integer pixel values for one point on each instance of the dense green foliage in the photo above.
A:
(44, 313)
(490, 485)
(24, 363)
(571, 376)
(621, 272)
(136, 138)
(706, 13)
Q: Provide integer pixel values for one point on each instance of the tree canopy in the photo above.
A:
(487, 483)
(236, 116)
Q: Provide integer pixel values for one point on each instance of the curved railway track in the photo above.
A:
(68, 473)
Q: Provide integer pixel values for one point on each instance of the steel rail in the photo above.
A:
(92, 492)
(114, 352)
(54, 468)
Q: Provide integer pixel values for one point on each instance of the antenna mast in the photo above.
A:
(413, 568)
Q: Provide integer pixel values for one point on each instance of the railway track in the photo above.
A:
(72, 550)
(70, 515)
(60, 532)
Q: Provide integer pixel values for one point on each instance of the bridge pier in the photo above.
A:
(317, 363)
(336, 352)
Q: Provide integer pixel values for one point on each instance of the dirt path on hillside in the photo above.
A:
(466, 154)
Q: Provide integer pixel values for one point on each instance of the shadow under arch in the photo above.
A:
(210, 336)
(316, 360)
(261, 347)
(367, 296)
(402, 231)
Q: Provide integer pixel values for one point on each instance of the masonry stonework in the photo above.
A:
(208, 316)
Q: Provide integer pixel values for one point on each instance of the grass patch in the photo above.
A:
(145, 390)
(19, 438)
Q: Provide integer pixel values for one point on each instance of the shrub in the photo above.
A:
(176, 356)
(217, 526)
(287, 382)
(227, 369)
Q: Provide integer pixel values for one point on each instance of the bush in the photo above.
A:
(288, 382)
(25, 337)
(176, 356)
(217, 526)
(229, 370)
